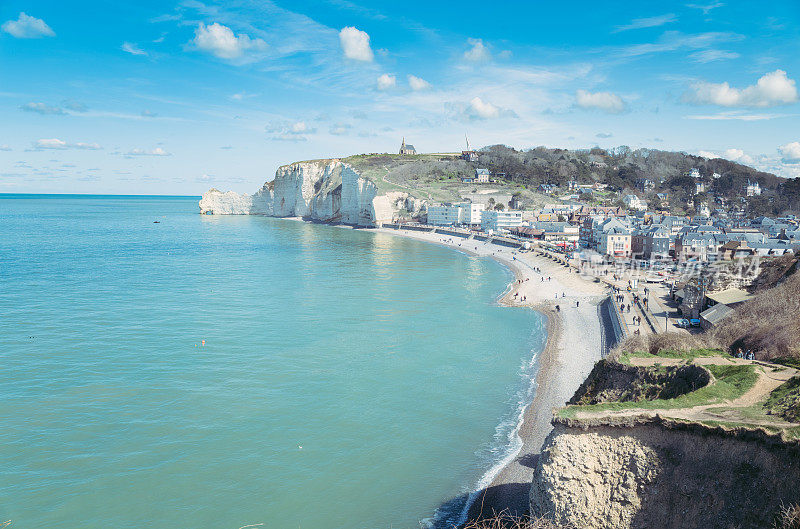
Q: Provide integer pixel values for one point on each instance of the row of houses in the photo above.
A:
(670, 236)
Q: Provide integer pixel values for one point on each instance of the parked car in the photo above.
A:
(683, 323)
(695, 322)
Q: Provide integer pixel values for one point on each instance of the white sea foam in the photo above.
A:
(506, 446)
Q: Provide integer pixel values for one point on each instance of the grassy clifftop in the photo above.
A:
(435, 177)
(703, 386)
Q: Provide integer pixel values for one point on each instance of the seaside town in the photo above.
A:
(684, 271)
(360, 264)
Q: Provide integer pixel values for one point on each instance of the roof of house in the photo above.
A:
(551, 226)
(657, 230)
(730, 296)
(524, 230)
(714, 314)
(482, 171)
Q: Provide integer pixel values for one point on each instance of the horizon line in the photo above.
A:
(98, 195)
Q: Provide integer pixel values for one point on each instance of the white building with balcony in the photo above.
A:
(496, 220)
(470, 213)
(462, 213)
(444, 214)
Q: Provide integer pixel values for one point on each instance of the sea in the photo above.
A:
(165, 369)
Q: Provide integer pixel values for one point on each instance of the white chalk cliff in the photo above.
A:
(323, 190)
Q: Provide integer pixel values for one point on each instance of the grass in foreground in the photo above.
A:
(787, 361)
(625, 356)
(731, 383)
(791, 433)
(784, 401)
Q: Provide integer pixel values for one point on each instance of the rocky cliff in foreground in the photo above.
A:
(692, 439)
(650, 473)
(322, 190)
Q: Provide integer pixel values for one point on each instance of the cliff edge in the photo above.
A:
(686, 440)
(321, 190)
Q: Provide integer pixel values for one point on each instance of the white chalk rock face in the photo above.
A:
(323, 190)
(216, 202)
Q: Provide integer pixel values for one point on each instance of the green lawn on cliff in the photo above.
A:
(435, 177)
(730, 382)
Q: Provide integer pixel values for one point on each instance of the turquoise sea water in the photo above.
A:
(348, 378)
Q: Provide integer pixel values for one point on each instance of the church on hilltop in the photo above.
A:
(407, 149)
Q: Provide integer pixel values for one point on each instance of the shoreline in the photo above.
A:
(563, 363)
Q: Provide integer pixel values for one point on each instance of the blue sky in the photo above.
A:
(176, 97)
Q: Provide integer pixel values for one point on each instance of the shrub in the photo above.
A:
(789, 517)
(504, 520)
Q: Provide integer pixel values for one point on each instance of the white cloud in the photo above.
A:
(605, 101)
(418, 83)
(27, 27)
(649, 22)
(75, 106)
(55, 143)
(732, 154)
(774, 88)
(158, 151)
(340, 129)
(675, 40)
(5, 148)
(355, 44)
(241, 96)
(706, 56)
(737, 155)
(790, 153)
(483, 109)
(299, 127)
(386, 81)
(290, 131)
(478, 51)
(42, 108)
(221, 42)
(737, 116)
(706, 8)
(87, 146)
(132, 48)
